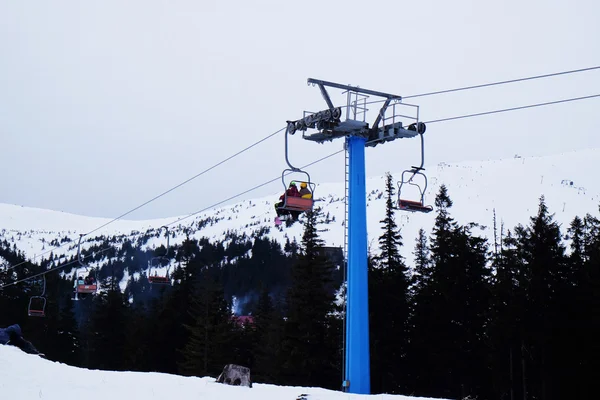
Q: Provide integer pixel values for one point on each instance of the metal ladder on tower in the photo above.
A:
(345, 275)
(346, 197)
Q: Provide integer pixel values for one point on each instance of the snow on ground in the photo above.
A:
(29, 377)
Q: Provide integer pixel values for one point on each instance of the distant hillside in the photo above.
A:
(512, 187)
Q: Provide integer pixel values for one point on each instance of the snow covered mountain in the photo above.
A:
(511, 186)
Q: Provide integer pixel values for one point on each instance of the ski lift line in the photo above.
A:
(308, 165)
(56, 248)
(251, 189)
(49, 270)
(373, 102)
(77, 261)
(36, 256)
(155, 198)
(529, 78)
(188, 180)
(513, 108)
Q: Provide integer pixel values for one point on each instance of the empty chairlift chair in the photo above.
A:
(157, 262)
(37, 304)
(413, 177)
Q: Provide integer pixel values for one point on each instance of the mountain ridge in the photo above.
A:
(509, 187)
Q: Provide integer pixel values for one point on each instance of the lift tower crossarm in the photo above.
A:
(326, 96)
(353, 89)
(375, 126)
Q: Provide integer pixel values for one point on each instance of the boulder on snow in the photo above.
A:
(235, 375)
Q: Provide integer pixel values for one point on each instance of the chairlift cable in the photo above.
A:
(188, 180)
(529, 78)
(250, 190)
(308, 165)
(48, 271)
(76, 261)
(157, 196)
(378, 101)
(513, 109)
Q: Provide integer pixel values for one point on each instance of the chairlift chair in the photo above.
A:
(408, 177)
(80, 286)
(293, 204)
(156, 262)
(413, 205)
(37, 304)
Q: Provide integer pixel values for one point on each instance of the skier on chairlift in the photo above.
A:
(292, 191)
(304, 191)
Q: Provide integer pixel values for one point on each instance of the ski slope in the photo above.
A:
(29, 377)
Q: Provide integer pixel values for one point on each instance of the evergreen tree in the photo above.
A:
(267, 348)
(543, 256)
(450, 312)
(422, 271)
(506, 318)
(62, 337)
(589, 309)
(388, 304)
(209, 345)
(107, 331)
(310, 347)
(390, 240)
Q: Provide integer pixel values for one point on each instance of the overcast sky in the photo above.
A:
(105, 104)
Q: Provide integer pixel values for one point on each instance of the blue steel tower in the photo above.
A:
(325, 126)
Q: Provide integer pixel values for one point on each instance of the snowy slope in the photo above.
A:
(511, 186)
(27, 377)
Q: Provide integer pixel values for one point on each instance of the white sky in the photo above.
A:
(29, 377)
(103, 105)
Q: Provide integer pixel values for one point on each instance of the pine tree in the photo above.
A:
(65, 345)
(450, 312)
(310, 347)
(506, 318)
(267, 349)
(391, 239)
(388, 304)
(107, 330)
(210, 341)
(589, 309)
(544, 268)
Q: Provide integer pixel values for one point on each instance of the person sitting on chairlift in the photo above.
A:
(90, 280)
(304, 191)
(292, 191)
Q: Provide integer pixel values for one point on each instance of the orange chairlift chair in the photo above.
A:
(81, 285)
(411, 176)
(291, 206)
(37, 304)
